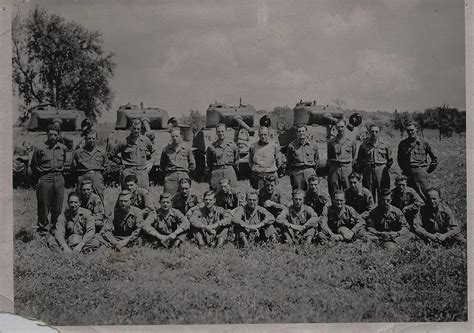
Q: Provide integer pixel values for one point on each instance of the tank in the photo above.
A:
(25, 139)
(320, 120)
(155, 125)
(242, 127)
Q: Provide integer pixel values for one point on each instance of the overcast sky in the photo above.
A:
(372, 54)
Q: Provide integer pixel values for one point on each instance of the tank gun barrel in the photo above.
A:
(146, 124)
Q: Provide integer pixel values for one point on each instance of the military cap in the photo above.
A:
(57, 120)
(265, 121)
(355, 119)
(173, 122)
(86, 124)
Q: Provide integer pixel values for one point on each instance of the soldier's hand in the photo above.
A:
(77, 248)
(121, 244)
(172, 236)
(431, 168)
(67, 249)
(211, 230)
(268, 203)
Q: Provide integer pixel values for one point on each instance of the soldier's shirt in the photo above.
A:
(297, 216)
(223, 154)
(184, 204)
(258, 215)
(275, 196)
(362, 201)
(333, 219)
(177, 158)
(127, 223)
(73, 224)
(140, 199)
(95, 206)
(229, 200)
(264, 157)
(317, 201)
(341, 149)
(374, 153)
(167, 222)
(415, 154)
(302, 154)
(48, 159)
(439, 220)
(390, 220)
(84, 160)
(408, 198)
(134, 154)
(209, 216)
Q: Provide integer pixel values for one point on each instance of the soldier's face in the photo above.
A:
(270, 186)
(87, 190)
(411, 131)
(313, 186)
(374, 132)
(74, 203)
(209, 201)
(298, 200)
(131, 186)
(263, 135)
(340, 127)
(225, 188)
(165, 203)
(385, 201)
(433, 198)
(135, 130)
(91, 140)
(401, 185)
(53, 136)
(339, 200)
(220, 132)
(185, 189)
(252, 201)
(301, 133)
(124, 202)
(175, 137)
(354, 184)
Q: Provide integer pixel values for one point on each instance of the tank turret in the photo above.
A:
(156, 118)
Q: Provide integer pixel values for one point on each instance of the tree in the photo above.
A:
(195, 120)
(60, 63)
(399, 121)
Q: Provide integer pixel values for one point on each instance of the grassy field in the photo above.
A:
(261, 284)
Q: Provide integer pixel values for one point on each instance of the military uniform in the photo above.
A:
(440, 221)
(374, 160)
(48, 163)
(134, 157)
(409, 202)
(305, 216)
(72, 229)
(90, 165)
(185, 204)
(259, 215)
(413, 160)
(177, 162)
(275, 196)
(302, 161)
(264, 160)
(228, 201)
(362, 201)
(201, 216)
(388, 226)
(165, 224)
(346, 222)
(221, 160)
(123, 225)
(96, 207)
(141, 199)
(341, 153)
(317, 201)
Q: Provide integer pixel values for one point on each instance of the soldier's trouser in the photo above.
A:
(204, 237)
(156, 243)
(338, 176)
(109, 239)
(257, 178)
(97, 183)
(91, 245)
(294, 235)
(418, 179)
(218, 174)
(140, 172)
(404, 238)
(375, 178)
(172, 181)
(456, 238)
(348, 234)
(299, 178)
(264, 232)
(50, 196)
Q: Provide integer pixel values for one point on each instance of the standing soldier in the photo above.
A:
(407, 200)
(227, 197)
(186, 198)
(222, 157)
(264, 158)
(137, 155)
(88, 162)
(358, 197)
(92, 202)
(412, 158)
(269, 197)
(47, 164)
(177, 160)
(302, 159)
(314, 197)
(341, 154)
(374, 160)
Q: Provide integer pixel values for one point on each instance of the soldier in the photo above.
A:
(264, 158)
(299, 220)
(177, 161)
(340, 222)
(269, 197)
(186, 198)
(210, 222)
(88, 162)
(47, 164)
(168, 227)
(387, 224)
(222, 157)
(139, 197)
(125, 226)
(227, 197)
(412, 158)
(137, 155)
(302, 159)
(407, 200)
(253, 218)
(92, 202)
(374, 160)
(358, 197)
(75, 228)
(314, 197)
(341, 154)
(438, 223)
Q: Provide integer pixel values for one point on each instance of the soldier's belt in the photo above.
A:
(337, 162)
(56, 173)
(89, 172)
(301, 167)
(134, 167)
(219, 167)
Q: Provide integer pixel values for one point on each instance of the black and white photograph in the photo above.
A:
(239, 162)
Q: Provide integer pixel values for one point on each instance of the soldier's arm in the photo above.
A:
(115, 151)
(147, 201)
(417, 201)
(74, 160)
(359, 221)
(370, 204)
(282, 219)
(359, 161)
(389, 157)
(224, 220)
(323, 222)
(60, 232)
(289, 156)
(183, 225)
(453, 225)
(236, 157)
(149, 230)
(209, 159)
(316, 156)
(238, 218)
(196, 219)
(153, 153)
(433, 157)
(251, 152)
(371, 226)
(313, 220)
(419, 229)
(278, 156)
(163, 160)
(401, 158)
(354, 150)
(98, 213)
(191, 161)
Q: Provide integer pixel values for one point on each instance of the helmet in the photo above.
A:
(86, 125)
(173, 122)
(265, 121)
(355, 119)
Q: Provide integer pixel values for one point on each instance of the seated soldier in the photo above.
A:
(298, 220)
(186, 198)
(209, 222)
(407, 200)
(387, 224)
(124, 227)
(359, 197)
(168, 227)
(340, 222)
(314, 197)
(139, 197)
(438, 223)
(253, 218)
(269, 197)
(227, 197)
(92, 202)
(75, 227)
